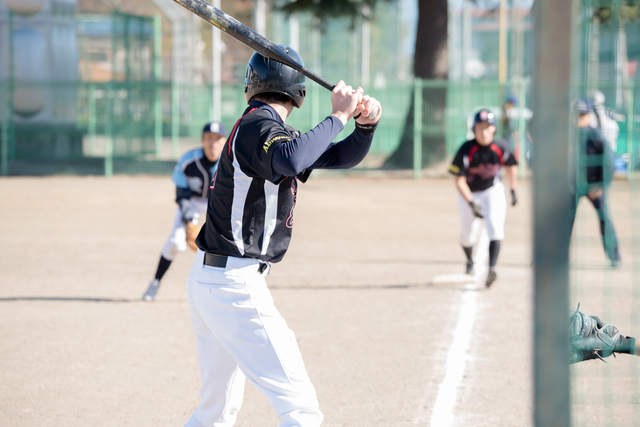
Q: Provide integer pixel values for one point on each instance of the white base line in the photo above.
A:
(442, 415)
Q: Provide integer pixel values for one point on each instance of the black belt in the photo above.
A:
(213, 260)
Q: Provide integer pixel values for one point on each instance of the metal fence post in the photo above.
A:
(522, 134)
(157, 74)
(108, 141)
(417, 128)
(554, 64)
(5, 128)
(631, 151)
(175, 120)
(91, 125)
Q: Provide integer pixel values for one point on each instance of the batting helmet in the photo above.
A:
(484, 116)
(266, 75)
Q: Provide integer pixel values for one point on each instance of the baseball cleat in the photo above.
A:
(150, 295)
(491, 277)
(469, 268)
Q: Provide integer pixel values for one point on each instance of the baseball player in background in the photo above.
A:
(593, 176)
(600, 118)
(191, 175)
(240, 334)
(476, 167)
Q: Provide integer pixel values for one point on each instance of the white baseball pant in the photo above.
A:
(241, 334)
(177, 241)
(493, 205)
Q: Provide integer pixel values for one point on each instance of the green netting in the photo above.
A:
(147, 125)
(608, 393)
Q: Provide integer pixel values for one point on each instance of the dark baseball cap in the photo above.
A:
(484, 116)
(215, 127)
(582, 107)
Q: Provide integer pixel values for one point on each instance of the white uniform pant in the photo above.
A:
(177, 240)
(240, 335)
(493, 205)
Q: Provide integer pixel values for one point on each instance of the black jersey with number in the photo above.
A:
(481, 164)
(250, 207)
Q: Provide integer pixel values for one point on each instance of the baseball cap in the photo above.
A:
(215, 127)
(582, 107)
(484, 116)
(512, 99)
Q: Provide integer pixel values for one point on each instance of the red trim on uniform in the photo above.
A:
(472, 151)
(235, 127)
(499, 152)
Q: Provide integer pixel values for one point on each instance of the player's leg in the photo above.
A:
(469, 231)
(177, 241)
(243, 317)
(222, 387)
(607, 230)
(494, 205)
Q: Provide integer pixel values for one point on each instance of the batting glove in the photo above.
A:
(476, 210)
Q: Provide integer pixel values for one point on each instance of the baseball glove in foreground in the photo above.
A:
(591, 338)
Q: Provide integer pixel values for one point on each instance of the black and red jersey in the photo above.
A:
(481, 164)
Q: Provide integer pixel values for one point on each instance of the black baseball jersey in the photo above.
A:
(595, 158)
(481, 164)
(250, 207)
(193, 174)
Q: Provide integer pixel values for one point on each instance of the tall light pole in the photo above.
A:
(216, 74)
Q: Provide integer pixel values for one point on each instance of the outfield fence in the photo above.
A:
(143, 127)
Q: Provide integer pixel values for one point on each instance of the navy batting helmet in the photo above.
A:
(484, 116)
(266, 75)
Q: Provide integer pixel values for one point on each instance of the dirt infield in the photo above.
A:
(79, 348)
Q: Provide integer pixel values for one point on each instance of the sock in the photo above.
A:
(163, 266)
(494, 250)
(468, 251)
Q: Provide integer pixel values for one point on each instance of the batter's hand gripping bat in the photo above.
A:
(255, 41)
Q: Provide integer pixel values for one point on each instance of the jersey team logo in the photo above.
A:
(294, 191)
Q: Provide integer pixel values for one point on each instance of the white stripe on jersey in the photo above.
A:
(270, 215)
(241, 184)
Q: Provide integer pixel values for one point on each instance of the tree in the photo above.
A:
(430, 62)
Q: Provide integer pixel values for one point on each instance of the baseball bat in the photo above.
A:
(255, 41)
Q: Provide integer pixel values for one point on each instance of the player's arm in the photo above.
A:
(511, 164)
(463, 188)
(314, 149)
(352, 150)
(183, 193)
(512, 177)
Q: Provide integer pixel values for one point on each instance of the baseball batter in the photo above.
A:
(250, 216)
(191, 175)
(477, 167)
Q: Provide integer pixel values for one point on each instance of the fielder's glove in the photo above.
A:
(476, 210)
(591, 338)
(192, 230)
(513, 198)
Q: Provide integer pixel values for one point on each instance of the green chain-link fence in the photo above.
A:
(143, 127)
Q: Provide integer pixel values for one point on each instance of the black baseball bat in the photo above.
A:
(255, 41)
